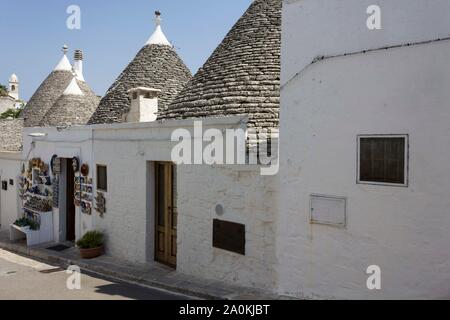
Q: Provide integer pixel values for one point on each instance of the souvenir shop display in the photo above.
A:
(35, 186)
(83, 191)
(55, 164)
(75, 164)
(39, 193)
(55, 185)
(101, 203)
(84, 170)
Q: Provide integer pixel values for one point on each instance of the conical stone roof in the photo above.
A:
(243, 74)
(45, 97)
(156, 66)
(74, 107)
(50, 91)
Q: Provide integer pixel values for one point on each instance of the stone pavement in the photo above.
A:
(151, 275)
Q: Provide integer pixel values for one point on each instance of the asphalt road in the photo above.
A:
(27, 279)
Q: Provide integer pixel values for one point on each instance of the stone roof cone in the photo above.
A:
(242, 77)
(48, 92)
(156, 66)
(51, 90)
(73, 107)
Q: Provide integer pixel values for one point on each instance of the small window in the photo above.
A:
(102, 178)
(383, 159)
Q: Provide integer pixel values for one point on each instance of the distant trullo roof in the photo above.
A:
(243, 74)
(74, 107)
(50, 91)
(156, 66)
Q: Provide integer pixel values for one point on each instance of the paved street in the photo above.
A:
(26, 279)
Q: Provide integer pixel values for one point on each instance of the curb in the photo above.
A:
(127, 278)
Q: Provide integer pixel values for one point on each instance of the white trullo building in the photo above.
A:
(363, 178)
(63, 99)
(156, 212)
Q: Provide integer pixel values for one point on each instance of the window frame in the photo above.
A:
(97, 176)
(405, 183)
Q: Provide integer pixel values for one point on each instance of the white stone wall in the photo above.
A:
(315, 28)
(10, 164)
(248, 198)
(402, 230)
(129, 152)
(125, 219)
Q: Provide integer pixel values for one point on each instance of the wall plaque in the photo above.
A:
(229, 236)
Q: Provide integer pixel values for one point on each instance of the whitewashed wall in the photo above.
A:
(10, 164)
(248, 198)
(313, 28)
(129, 219)
(129, 152)
(403, 230)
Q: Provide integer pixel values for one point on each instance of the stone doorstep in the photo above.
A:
(171, 281)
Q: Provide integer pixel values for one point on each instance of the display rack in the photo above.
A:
(36, 192)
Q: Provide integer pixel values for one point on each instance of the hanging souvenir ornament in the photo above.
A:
(85, 169)
(75, 164)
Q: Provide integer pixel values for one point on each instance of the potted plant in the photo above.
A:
(91, 245)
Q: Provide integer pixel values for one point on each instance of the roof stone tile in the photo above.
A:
(155, 66)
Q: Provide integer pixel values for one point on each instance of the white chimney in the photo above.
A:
(78, 65)
(144, 105)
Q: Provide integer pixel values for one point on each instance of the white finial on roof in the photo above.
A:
(73, 89)
(158, 36)
(64, 64)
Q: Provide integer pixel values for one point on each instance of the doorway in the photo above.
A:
(70, 201)
(165, 214)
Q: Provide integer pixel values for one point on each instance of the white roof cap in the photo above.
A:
(64, 64)
(13, 78)
(73, 89)
(158, 36)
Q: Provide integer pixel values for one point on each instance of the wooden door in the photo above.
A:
(166, 215)
(70, 205)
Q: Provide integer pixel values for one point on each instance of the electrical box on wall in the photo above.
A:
(328, 210)
(5, 185)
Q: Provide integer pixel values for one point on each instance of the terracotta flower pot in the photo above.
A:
(91, 253)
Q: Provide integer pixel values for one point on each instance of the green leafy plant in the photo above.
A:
(3, 91)
(92, 239)
(10, 113)
(25, 222)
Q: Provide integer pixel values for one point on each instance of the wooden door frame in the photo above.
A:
(169, 232)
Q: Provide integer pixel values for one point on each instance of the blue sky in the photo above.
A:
(112, 32)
